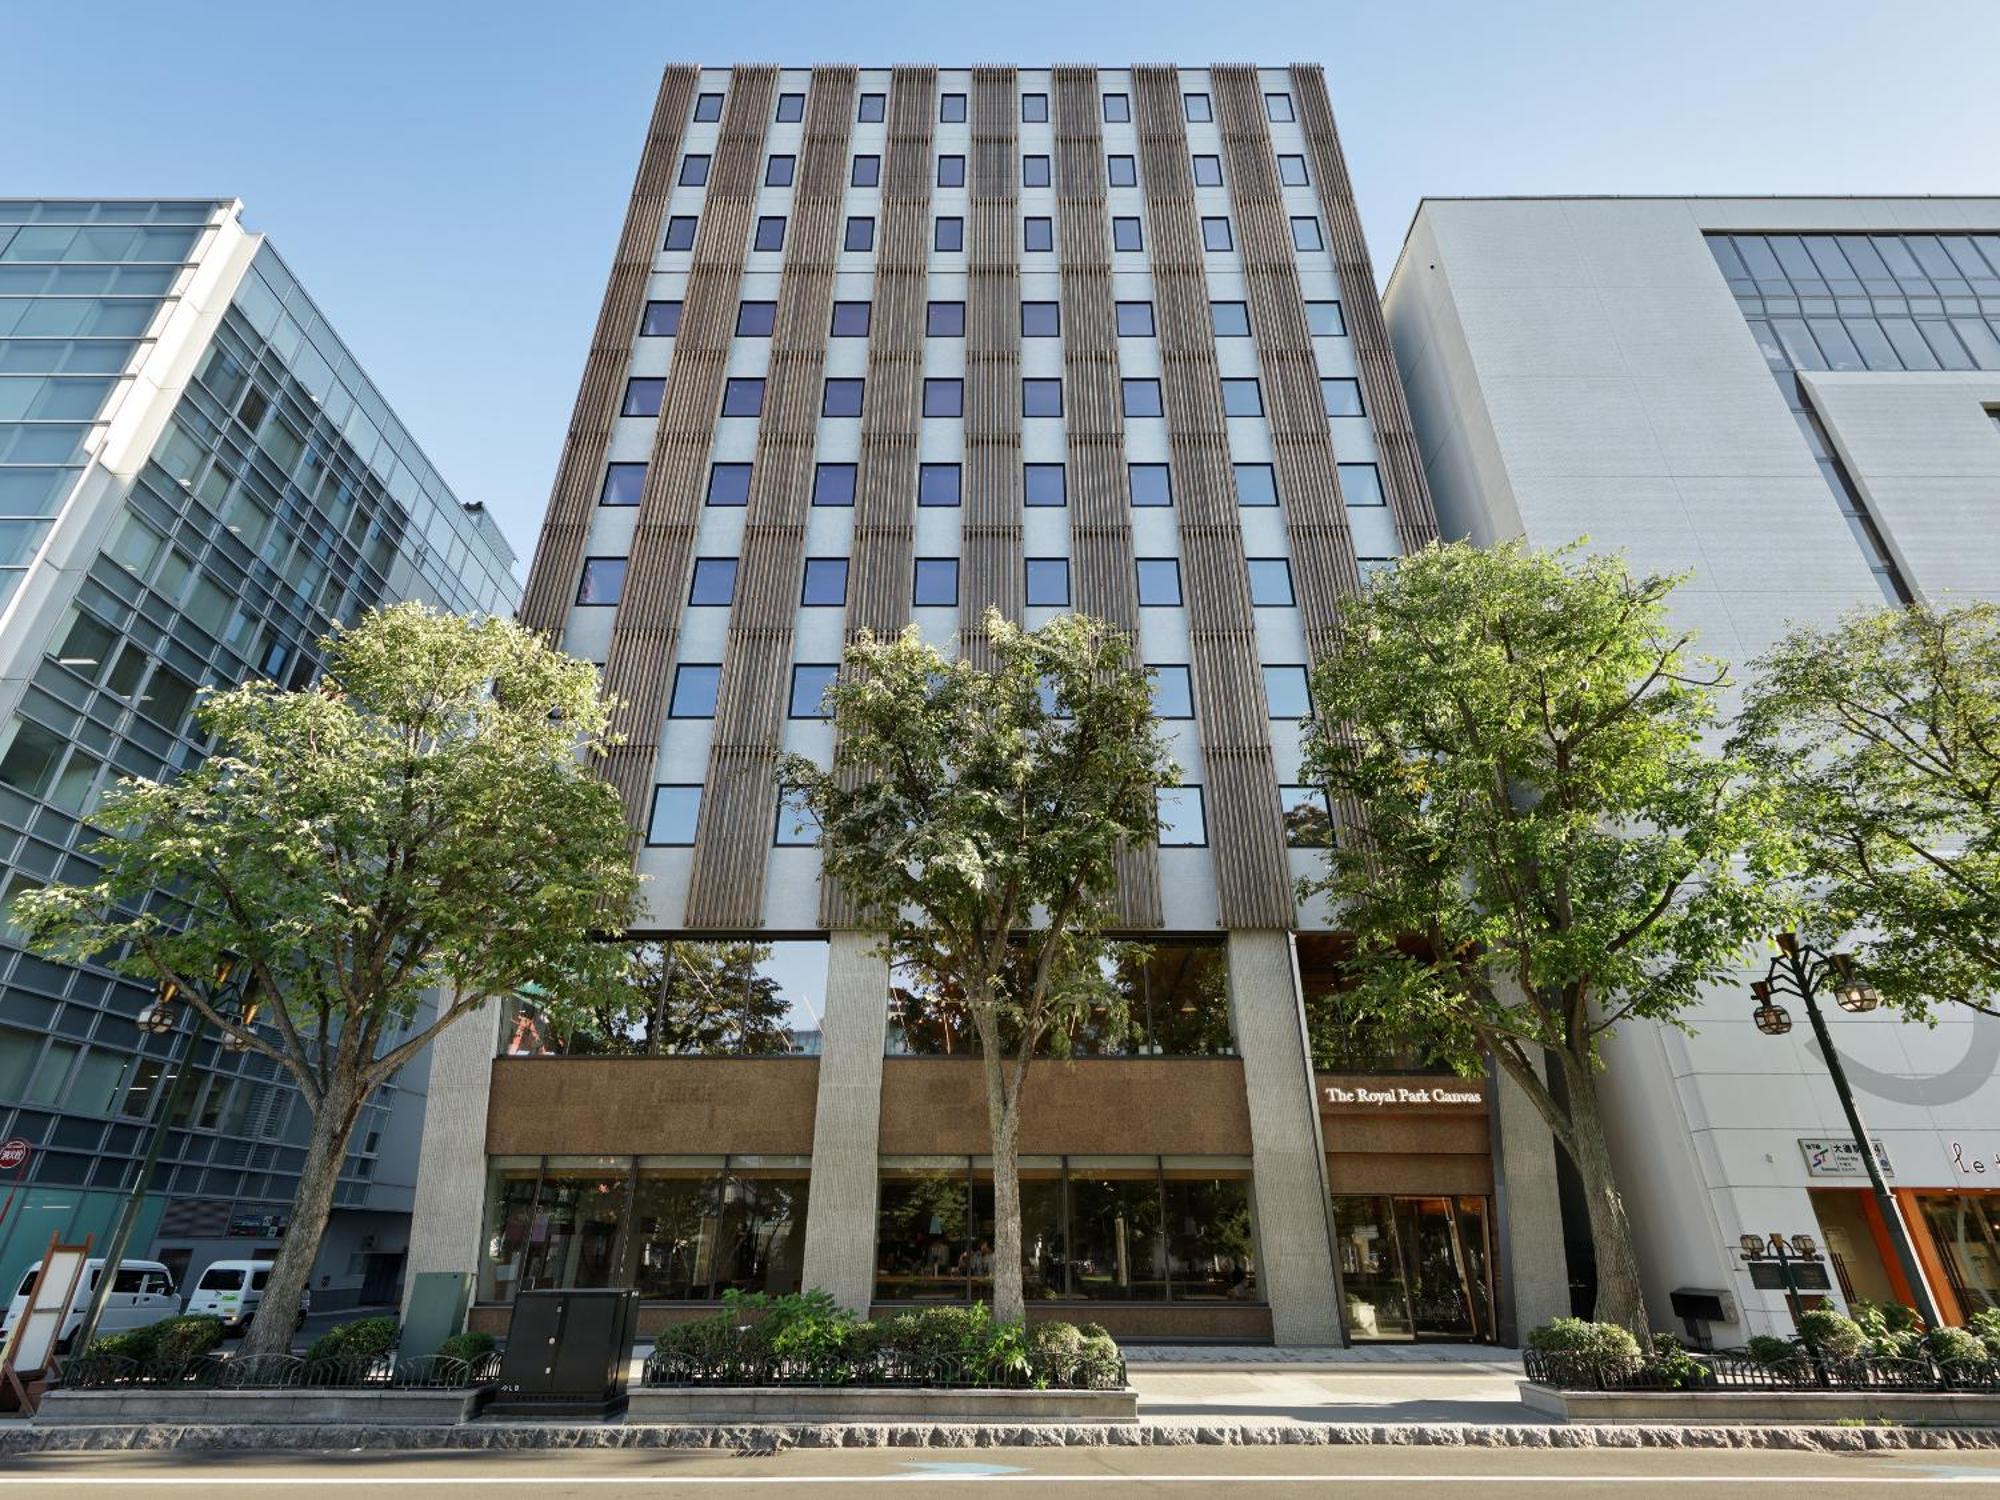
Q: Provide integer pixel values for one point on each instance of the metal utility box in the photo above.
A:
(568, 1354)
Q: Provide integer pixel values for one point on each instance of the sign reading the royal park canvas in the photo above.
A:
(1398, 1095)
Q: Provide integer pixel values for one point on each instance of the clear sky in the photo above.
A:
(448, 179)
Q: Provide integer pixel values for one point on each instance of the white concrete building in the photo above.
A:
(1794, 399)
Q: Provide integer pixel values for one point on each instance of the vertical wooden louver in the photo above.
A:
(646, 627)
(1100, 517)
(1401, 464)
(552, 577)
(885, 487)
(990, 568)
(1245, 833)
(726, 882)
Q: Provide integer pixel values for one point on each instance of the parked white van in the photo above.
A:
(231, 1289)
(142, 1293)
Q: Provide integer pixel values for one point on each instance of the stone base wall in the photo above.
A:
(1944, 1408)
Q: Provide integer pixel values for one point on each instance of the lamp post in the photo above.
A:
(1802, 973)
(157, 1019)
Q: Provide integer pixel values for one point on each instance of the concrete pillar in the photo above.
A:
(449, 1214)
(847, 1119)
(1287, 1155)
(1534, 1267)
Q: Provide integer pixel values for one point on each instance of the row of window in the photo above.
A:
(1038, 233)
(1120, 170)
(872, 109)
(946, 319)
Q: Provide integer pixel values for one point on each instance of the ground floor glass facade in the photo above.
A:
(1416, 1267)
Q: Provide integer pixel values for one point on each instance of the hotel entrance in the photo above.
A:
(1414, 1268)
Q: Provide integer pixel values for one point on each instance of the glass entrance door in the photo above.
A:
(1416, 1268)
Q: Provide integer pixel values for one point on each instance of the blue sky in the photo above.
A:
(448, 179)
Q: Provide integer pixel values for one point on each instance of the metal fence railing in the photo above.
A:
(881, 1367)
(219, 1371)
(1737, 1370)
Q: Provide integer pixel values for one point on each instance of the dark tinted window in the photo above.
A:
(714, 581)
(778, 171)
(623, 484)
(708, 107)
(1048, 581)
(810, 680)
(951, 109)
(754, 320)
(850, 320)
(944, 398)
(694, 171)
(1038, 234)
(1041, 398)
(1135, 320)
(1041, 320)
(791, 108)
(1127, 234)
(867, 172)
(642, 397)
(1159, 580)
(937, 484)
(936, 581)
(729, 484)
(833, 484)
(1122, 171)
(945, 320)
(770, 233)
(950, 234)
(1034, 171)
(695, 686)
(825, 582)
(680, 232)
(1043, 484)
(873, 108)
(662, 320)
(1141, 397)
(842, 398)
(860, 234)
(742, 397)
(1208, 171)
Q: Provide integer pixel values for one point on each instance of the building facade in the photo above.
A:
(1794, 400)
(894, 346)
(197, 480)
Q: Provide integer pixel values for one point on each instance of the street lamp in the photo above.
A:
(1803, 972)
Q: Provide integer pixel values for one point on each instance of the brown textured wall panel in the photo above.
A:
(732, 844)
(651, 1106)
(1382, 391)
(1418, 1176)
(1245, 834)
(646, 627)
(552, 578)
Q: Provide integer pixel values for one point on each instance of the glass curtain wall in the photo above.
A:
(1416, 1267)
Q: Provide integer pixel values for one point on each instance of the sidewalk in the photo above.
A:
(1194, 1384)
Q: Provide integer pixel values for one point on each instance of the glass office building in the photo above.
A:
(196, 482)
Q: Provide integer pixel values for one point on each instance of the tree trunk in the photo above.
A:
(1003, 1121)
(1621, 1298)
(333, 1124)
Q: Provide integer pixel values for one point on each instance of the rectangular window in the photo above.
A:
(642, 397)
(796, 826)
(1141, 398)
(743, 397)
(661, 321)
(770, 233)
(602, 582)
(707, 107)
(714, 581)
(867, 172)
(1341, 395)
(944, 320)
(833, 484)
(1127, 234)
(729, 484)
(810, 680)
(1048, 582)
(1043, 484)
(949, 233)
(1256, 484)
(624, 484)
(1117, 109)
(1041, 320)
(860, 233)
(1173, 693)
(951, 171)
(680, 232)
(1182, 825)
(1034, 109)
(841, 398)
(825, 582)
(778, 171)
(1242, 398)
(1287, 692)
(1034, 171)
(1038, 234)
(1041, 398)
(755, 320)
(1150, 484)
(694, 171)
(1324, 320)
(1122, 171)
(1197, 109)
(1135, 320)
(850, 320)
(695, 688)
(1278, 108)
(1292, 171)
(951, 109)
(944, 398)
(1230, 320)
(937, 484)
(1361, 484)
(936, 582)
(1270, 581)
(1215, 233)
(873, 109)
(1308, 820)
(1159, 581)
(1208, 171)
(1305, 233)
(676, 810)
(791, 108)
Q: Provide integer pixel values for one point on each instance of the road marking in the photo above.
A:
(330, 1481)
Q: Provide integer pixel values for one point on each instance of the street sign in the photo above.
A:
(14, 1154)
(1842, 1158)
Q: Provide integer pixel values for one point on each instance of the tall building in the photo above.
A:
(1795, 400)
(198, 481)
(884, 346)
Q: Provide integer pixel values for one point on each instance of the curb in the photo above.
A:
(770, 1437)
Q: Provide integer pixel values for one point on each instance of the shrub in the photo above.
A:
(1579, 1338)
(1769, 1351)
(1832, 1335)
(470, 1347)
(1893, 1330)
(1955, 1346)
(183, 1340)
(1986, 1325)
(135, 1344)
(365, 1338)
(1099, 1365)
(1672, 1366)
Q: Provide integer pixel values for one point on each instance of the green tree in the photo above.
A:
(972, 815)
(1545, 828)
(685, 998)
(1881, 737)
(421, 826)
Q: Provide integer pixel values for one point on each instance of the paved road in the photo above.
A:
(1276, 1473)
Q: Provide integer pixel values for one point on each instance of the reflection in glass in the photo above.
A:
(1115, 1232)
(920, 1238)
(1966, 1227)
(707, 999)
